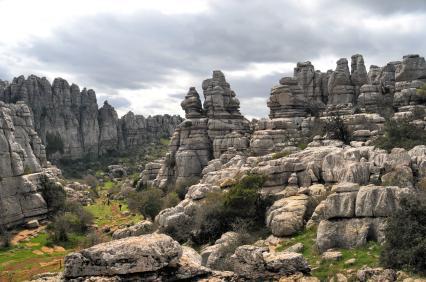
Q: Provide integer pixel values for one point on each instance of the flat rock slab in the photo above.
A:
(125, 256)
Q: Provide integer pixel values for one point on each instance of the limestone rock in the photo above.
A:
(146, 253)
(376, 274)
(213, 255)
(256, 263)
(413, 67)
(138, 229)
(109, 130)
(349, 233)
(331, 255)
(63, 112)
(340, 88)
(287, 216)
(192, 104)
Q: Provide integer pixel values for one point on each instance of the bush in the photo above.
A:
(280, 155)
(91, 180)
(336, 128)
(73, 219)
(405, 245)
(147, 202)
(400, 134)
(182, 188)
(221, 211)
(53, 193)
(27, 170)
(170, 200)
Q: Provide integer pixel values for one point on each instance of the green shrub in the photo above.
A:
(336, 128)
(147, 202)
(72, 219)
(182, 188)
(27, 170)
(405, 245)
(91, 180)
(280, 155)
(400, 134)
(422, 90)
(170, 200)
(53, 193)
(54, 143)
(221, 211)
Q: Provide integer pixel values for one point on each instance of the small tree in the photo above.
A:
(337, 128)
(405, 245)
(147, 202)
(401, 134)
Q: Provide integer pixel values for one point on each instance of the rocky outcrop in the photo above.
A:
(23, 167)
(340, 87)
(206, 133)
(71, 126)
(125, 256)
(141, 228)
(356, 210)
(257, 263)
(153, 257)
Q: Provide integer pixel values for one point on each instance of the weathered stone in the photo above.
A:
(340, 88)
(138, 229)
(63, 112)
(331, 255)
(287, 216)
(146, 253)
(349, 233)
(256, 263)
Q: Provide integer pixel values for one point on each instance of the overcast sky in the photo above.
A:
(144, 55)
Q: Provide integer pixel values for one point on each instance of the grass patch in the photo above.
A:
(280, 155)
(110, 214)
(19, 262)
(367, 255)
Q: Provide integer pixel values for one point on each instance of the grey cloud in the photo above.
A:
(144, 49)
(116, 101)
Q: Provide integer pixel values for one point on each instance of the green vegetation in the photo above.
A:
(336, 128)
(72, 219)
(221, 211)
(27, 170)
(280, 155)
(400, 134)
(148, 202)
(133, 159)
(405, 248)
(367, 255)
(422, 90)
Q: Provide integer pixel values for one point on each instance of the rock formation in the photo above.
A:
(206, 133)
(23, 167)
(63, 114)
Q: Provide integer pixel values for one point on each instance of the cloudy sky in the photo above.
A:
(143, 55)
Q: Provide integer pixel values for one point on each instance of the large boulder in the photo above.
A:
(143, 254)
(287, 216)
(257, 263)
(138, 229)
(349, 233)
